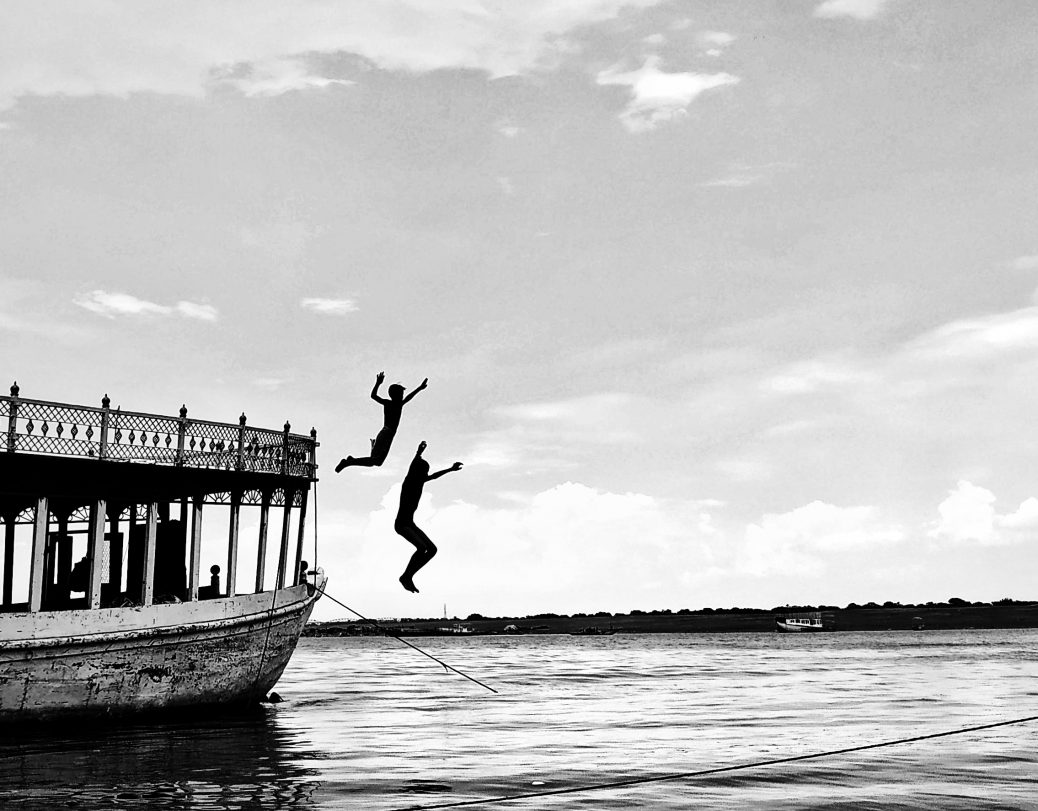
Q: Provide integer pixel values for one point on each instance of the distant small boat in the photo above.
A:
(593, 630)
(800, 622)
(456, 628)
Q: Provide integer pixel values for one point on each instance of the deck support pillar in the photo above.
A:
(300, 576)
(39, 546)
(232, 543)
(150, 529)
(95, 546)
(8, 586)
(115, 550)
(196, 548)
(64, 558)
(261, 546)
(286, 530)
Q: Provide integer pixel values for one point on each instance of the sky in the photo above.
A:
(721, 304)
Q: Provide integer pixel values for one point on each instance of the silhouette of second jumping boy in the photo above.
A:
(410, 494)
(391, 409)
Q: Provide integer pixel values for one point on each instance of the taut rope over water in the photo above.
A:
(401, 639)
(636, 781)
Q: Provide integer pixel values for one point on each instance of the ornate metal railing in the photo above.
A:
(58, 429)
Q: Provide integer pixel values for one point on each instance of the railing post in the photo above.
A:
(12, 440)
(313, 453)
(181, 431)
(241, 443)
(284, 451)
(105, 414)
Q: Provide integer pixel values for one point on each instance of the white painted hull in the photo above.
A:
(796, 628)
(58, 664)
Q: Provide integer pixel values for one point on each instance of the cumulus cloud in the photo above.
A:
(968, 515)
(657, 96)
(857, 9)
(111, 305)
(576, 545)
(797, 542)
(329, 306)
(95, 47)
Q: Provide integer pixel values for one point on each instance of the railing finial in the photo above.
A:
(183, 412)
(241, 419)
(105, 402)
(14, 389)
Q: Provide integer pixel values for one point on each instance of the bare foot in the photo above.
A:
(408, 584)
(343, 463)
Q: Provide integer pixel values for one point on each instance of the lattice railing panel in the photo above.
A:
(36, 426)
(50, 428)
(147, 437)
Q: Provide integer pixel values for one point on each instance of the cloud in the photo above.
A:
(329, 306)
(111, 305)
(968, 515)
(507, 128)
(202, 312)
(714, 42)
(273, 77)
(603, 418)
(797, 542)
(858, 9)
(578, 546)
(94, 47)
(981, 337)
(743, 175)
(809, 376)
(657, 96)
(1025, 263)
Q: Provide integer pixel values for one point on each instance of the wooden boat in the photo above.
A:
(131, 626)
(795, 623)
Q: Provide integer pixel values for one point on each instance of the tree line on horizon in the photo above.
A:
(951, 602)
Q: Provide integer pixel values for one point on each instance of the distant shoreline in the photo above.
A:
(853, 619)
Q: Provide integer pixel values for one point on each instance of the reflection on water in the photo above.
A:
(242, 760)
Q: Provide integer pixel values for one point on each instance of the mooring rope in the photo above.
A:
(401, 639)
(637, 781)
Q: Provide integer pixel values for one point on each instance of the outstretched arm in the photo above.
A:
(418, 388)
(438, 473)
(374, 390)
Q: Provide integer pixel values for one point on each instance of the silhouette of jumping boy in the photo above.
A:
(391, 409)
(410, 494)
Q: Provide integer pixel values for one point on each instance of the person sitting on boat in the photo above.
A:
(410, 494)
(391, 409)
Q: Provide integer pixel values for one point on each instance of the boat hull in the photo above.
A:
(793, 628)
(117, 661)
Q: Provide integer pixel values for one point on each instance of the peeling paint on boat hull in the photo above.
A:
(124, 660)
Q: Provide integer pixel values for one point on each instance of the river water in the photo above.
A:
(370, 724)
